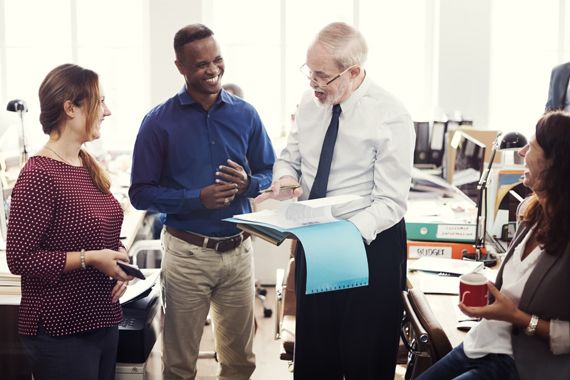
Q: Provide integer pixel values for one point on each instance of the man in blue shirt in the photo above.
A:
(198, 157)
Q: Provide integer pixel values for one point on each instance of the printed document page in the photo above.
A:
(297, 214)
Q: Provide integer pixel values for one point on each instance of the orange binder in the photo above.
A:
(448, 250)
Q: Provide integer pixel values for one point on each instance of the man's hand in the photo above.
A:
(280, 194)
(218, 195)
(233, 173)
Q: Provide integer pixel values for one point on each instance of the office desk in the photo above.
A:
(444, 306)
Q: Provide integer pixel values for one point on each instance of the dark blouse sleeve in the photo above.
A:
(31, 214)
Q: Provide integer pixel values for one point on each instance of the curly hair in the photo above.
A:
(550, 213)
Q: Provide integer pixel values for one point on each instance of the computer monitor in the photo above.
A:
(469, 163)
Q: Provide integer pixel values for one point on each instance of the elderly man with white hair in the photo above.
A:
(350, 137)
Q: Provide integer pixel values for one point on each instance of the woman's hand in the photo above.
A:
(503, 309)
(118, 290)
(105, 260)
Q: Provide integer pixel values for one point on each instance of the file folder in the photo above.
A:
(448, 250)
(438, 231)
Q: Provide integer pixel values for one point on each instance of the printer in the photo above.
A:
(140, 327)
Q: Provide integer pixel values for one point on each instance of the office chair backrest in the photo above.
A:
(421, 333)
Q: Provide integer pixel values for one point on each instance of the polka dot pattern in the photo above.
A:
(56, 209)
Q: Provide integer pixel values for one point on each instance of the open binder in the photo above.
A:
(334, 249)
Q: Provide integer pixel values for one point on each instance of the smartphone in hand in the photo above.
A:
(131, 269)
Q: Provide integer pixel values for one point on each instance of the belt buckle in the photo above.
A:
(224, 245)
(228, 244)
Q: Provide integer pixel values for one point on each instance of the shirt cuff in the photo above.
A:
(282, 172)
(559, 337)
(365, 225)
(192, 200)
(252, 188)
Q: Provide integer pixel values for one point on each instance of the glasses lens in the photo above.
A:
(310, 76)
(305, 70)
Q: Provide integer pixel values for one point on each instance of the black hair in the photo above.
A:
(190, 33)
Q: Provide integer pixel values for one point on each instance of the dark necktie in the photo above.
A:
(319, 189)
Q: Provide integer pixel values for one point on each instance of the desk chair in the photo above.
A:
(421, 333)
(285, 309)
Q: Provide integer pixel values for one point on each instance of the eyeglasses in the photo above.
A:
(321, 82)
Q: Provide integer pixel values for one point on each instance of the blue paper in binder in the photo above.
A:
(335, 256)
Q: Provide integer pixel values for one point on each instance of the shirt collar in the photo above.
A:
(353, 99)
(186, 99)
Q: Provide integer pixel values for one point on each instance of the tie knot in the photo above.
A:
(336, 110)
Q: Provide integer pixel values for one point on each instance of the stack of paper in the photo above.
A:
(441, 265)
(433, 283)
(9, 283)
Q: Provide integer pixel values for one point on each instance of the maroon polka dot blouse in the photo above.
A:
(56, 209)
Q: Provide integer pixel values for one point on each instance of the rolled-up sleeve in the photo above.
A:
(559, 337)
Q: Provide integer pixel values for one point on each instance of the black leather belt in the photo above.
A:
(218, 244)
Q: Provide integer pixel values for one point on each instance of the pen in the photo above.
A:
(286, 187)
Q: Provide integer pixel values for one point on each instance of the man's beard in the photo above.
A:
(329, 101)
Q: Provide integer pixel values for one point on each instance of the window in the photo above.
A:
(413, 53)
(263, 57)
(524, 49)
(82, 32)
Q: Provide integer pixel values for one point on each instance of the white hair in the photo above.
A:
(345, 43)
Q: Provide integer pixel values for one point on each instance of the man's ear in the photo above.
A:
(355, 71)
(69, 108)
(179, 66)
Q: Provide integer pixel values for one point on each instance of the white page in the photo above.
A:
(297, 214)
(138, 286)
(329, 201)
(441, 265)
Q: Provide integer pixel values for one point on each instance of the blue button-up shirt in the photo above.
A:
(179, 148)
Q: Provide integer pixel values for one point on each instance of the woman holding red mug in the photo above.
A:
(525, 329)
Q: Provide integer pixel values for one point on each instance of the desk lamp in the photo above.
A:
(18, 105)
(510, 141)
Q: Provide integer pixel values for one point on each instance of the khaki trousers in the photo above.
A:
(193, 279)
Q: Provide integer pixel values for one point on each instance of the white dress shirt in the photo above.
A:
(493, 336)
(373, 155)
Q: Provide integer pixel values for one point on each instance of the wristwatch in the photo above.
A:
(530, 330)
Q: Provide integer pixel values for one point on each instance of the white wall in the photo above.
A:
(463, 59)
(165, 19)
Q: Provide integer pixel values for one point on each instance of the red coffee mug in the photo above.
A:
(473, 289)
